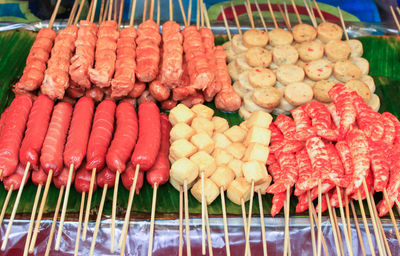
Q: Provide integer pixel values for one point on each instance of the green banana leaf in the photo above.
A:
(381, 52)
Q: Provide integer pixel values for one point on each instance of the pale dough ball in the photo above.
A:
(289, 73)
(304, 32)
(285, 54)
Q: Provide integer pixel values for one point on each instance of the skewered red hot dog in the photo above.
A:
(33, 74)
(82, 180)
(128, 177)
(106, 176)
(105, 55)
(62, 178)
(13, 132)
(148, 144)
(78, 135)
(37, 125)
(101, 134)
(56, 76)
(15, 179)
(53, 146)
(159, 172)
(148, 51)
(125, 136)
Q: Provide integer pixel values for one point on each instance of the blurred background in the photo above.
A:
(355, 10)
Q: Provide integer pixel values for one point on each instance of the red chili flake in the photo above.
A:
(310, 49)
(263, 63)
(320, 69)
(258, 70)
(319, 75)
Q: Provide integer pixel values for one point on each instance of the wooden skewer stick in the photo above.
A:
(180, 250)
(347, 211)
(312, 11)
(309, 14)
(105, 12)
(203, 216)
(53, 224)
(98, 220)
(121, 12)
(210, 250)
(198, 14)
(153, 213)
(114, 211)
(5, 204)
(312, 230)
(287, 234)
(227, 246)
(319, 230)
(101, 10)
(264, 238)
(287, 15)
(79, 12)
(322, 236)
(333, 224)
(236, 18)
(1, 174)
(144, 10)
(110, 10)
(151, 9)
(72, 14)
(132, 17)
(383, 236)
(39, 217)
(15, 207)
(132, 190)
(346, 233)
(380, 246)
(398, 205)
(189, 17)
(64, 208)
(247, 248)
(54, 14)
(272, 14)
(250, 13)
(185, 194)
(357, 228)
(34, 208)
(183, 12)
(338, 230)
(93, 13)
(89, 14)
(89, 200)
(319, 11)
(206, 16)
(244, 220)
(78, 232)
(297, 12)
(228, 31)
(284, 17)
(261, 16)
(115, 11)
(364, 218)
(200, 2)
(395, 18)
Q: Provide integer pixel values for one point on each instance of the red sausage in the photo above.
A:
(13, 132)
(124, 137)
(148, 144)
(159, 172)
(15, 179)
(82, 180)
(78, 135)
(137, 90)
(62, 178)
(100, 137)
(39, 177)
(128, 178)
(53, 145)
(106, 176)
(168, 104)
(38, 123)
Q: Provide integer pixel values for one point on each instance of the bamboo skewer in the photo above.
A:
(272, 14)
(121, 12)
(312, 230)
(72, 13)
(244, 222)
(347, 211)
(64, 208)
(96, 229)
(101, 11)
(338, 231)
(39, 216)
(309, 14)
(286, 245)
(132, 190)
(297, 12)
(322, 236)
(78, 232)
(364, 218)
(180, 249)
(210, 250)
(319, 228)
(153, 212)
(227, 246)
(183, 12)
(261, 16)
(334, 225)
(319, 11)
(187, 232)
(342, 215)
(114, 211)
(4, 208)
(236, 18)
(381, 230)
(247, 240)
(32, 219)
(15, 207)
(88, 203)
(203, 216)
(250, 13)
(357, 227)
(392, 216)
(79, 12)
(284, 17)
(226, 23)
(263, 236)
(53, 224)
(287, 15)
